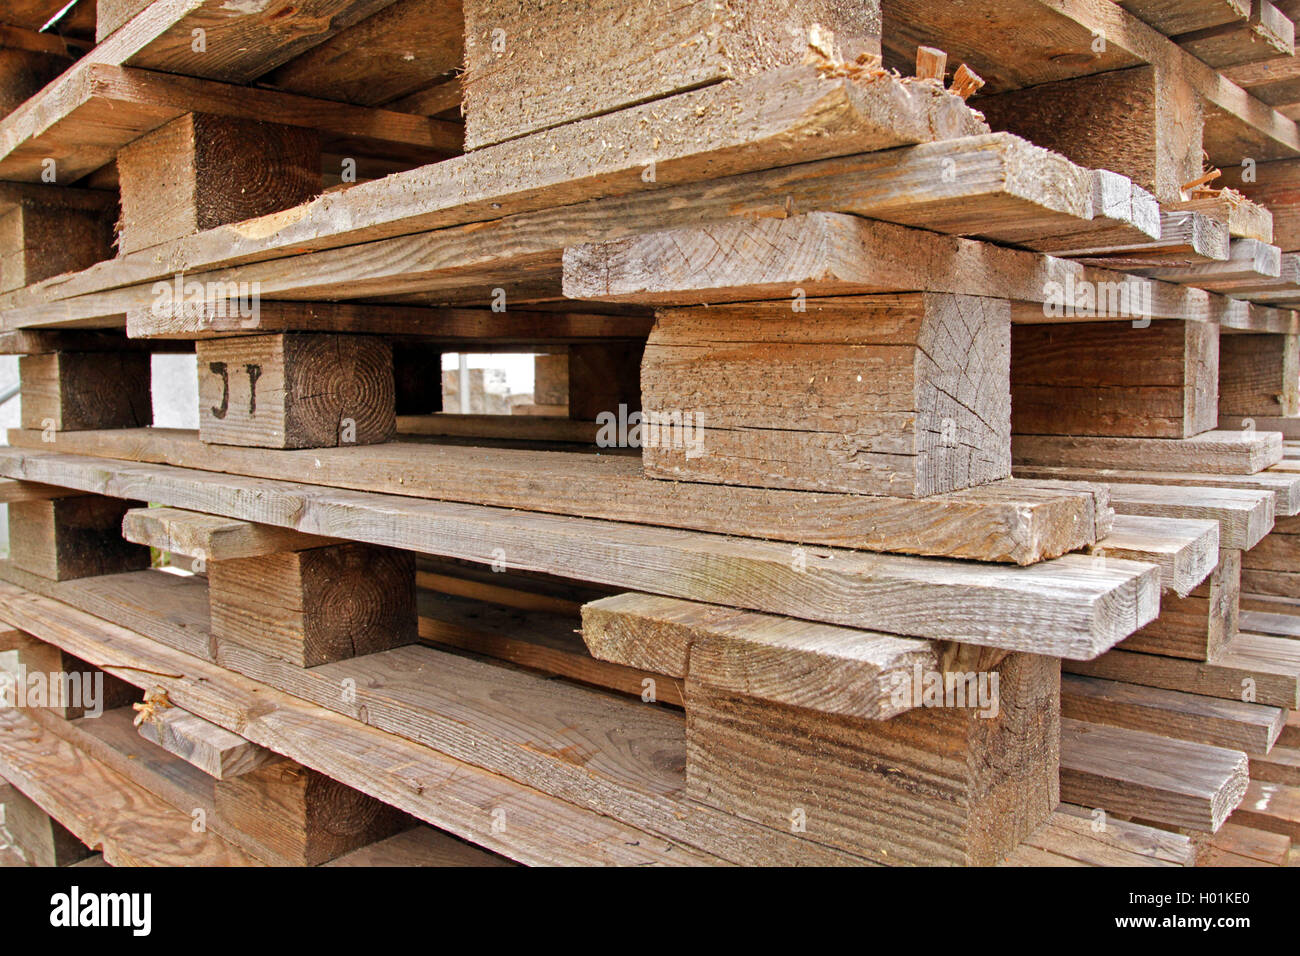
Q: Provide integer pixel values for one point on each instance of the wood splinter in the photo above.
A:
(931, 64)
(965, 82)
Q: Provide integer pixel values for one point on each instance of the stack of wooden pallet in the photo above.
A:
(921, 495)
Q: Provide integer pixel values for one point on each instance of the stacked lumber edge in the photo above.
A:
(913, 475)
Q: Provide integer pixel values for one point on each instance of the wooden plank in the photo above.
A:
(1068, 607)
(1186, 550)
(1213, 452)
(1272, 807)
(1072, 836)
(831, 670)
(1102, 378)
(168, 319)
(641, 778)
(897, 395)
(632, 56)
(212, 749)
(16, 491)
(94, 111)
(1186, 240)
(211, 538)
(296, 391)
(1279, 765)
(1199, 625)
(419, 846)
(70, 391)
(1245, 219)
(100, 807)
(1285, 488)
(1265, 668)
(1008, 521)
(1157, 778)
(72, 537)
(1244, 516)
(1253, 728)
(1176, 17)
(1267, 36)
(989, 782)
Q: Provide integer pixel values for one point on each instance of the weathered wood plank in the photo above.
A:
(1213, 452)
(1185, 549)
(214, 750)
(1068, 607)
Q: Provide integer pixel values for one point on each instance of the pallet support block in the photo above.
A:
(301, 815)
(1259, 374)
(901, 395)
(1200, 625)
(296, 390)
(52, 679)
(1152, 123)
(315, 606)
(42, 840)
(200, 171)
(72, 537)
(1115, 379)
(939, 785)
(603, 377)
(43, 234)
(77, 391)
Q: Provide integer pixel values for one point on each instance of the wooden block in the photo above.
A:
(201, 171)
(212, 538)
(77, 537)
(213, 749)
(313, 607)
(296, 390)
(44, 237)
(1200, 625)
(1214, 452)
(630, 54)
(23, 72)
(602, 377)
(1152, 120)
(1259, 375)
(1109, 378)
(303, 815)
(43, 840)
(932, 786)
(1155, 778)
(1234, 724)
(832, 670)
(76, 391)
(50, 678)
(899, 395)
(551, 380)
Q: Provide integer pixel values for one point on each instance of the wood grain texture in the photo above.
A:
(1283, 488)
(316, 606)
(296, 391)
(1110, 379)
(629, 55)
(210, 748)
(41, 237)
(72, 391)
(1155, 778)
(1213, 452)
(201, 171)
(1067, 606)
(1185, 549)
(42, 840)
(1253, 728)
(933, 786)
(1006, 521)
(72, 537)
(900, 395)
(1259, 375)
(830, 670)
(1152, 122)
(1070, 838)
(211, 538)
(1199, 625)
(1244, 516)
